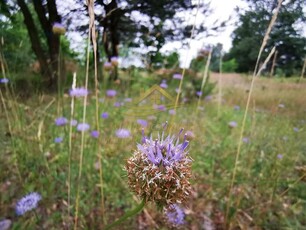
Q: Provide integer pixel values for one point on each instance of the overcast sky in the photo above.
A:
(223, 10)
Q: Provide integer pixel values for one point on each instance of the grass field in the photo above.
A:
(268, 190)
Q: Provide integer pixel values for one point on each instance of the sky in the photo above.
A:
(222, 10)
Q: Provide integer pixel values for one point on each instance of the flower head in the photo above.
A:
(177, 76)
(175, 215)
(160, 169)
(5, 224)
(142, 122)
(27, 203)
(111, 93)
(123, 133)
(281, 106)
(61, 121)
(104, 115)
(78, 92)
(107, 66)
(295, 129)
(114, 61)
(4, 80)
(58, 28)
(164, 84)
(95, 133)
(73, 122)
(232, 124)
(58, 139)
(83, 127)
(236, 107)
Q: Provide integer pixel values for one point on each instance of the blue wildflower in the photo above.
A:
(160, 170)
(5, 224)
(27, 203)
(164, 84)
(4, 80)
(83, 127)
(111, 93)
(104, 115)
(61, 121)
(78, 92)
(175, 215)
(142, 122)
(95, 133)
(123, 133)
(177, 76)
(58, 139)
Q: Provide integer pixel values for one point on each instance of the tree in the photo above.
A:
(147, 24)
(285, 35)
(45, 45)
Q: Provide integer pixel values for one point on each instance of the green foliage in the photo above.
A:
(16, 47)
(286, 35)
(229, 66)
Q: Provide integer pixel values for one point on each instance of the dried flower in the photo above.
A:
(281, 106)
(83, 127)
(78, 92)
(58, 28)
(114, 61)
(27, 203)
(123, 133)
(61, 121)
(175, 215)
(107, 66)
(160, 169)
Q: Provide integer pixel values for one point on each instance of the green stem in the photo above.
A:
(127, 215)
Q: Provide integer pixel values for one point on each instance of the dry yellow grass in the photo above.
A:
(268, 93)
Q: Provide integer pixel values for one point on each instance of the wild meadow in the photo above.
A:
(50, 147)
(151, 148)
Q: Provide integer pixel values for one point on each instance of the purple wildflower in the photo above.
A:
(117, 104)
(107, 66)
(4, 80)
(111, 93)
(163, 169)
(280, 156)
(177, 76)
(172, 112)
(246, 140)
(175, 215)
(177, 90)
(232, 124)
(83, 127)
(58, 139)
(160, 107)
(142, 122)
(164, 151)
(295, 129)
(5, 224)
(114, 61)
(78, 92)
(104, 115)
(73, 122)
(123, 133)
(208, 98)
(61, 121)
(128, 99)
(199, 93)
(164, 84)
(27, 203)
(95, 133)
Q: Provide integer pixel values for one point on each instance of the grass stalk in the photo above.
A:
(255, 73)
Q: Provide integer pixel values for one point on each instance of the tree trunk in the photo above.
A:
(35, 42)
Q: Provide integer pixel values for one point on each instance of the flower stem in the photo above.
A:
(127, 215)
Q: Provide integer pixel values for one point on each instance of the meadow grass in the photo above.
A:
(270, 178)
